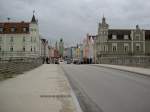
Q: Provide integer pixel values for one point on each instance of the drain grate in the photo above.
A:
(55, 96)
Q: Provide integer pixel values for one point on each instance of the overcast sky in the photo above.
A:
(73, 19)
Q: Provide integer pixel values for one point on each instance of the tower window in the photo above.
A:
(137, 47)
(0, 48)
(137, 37)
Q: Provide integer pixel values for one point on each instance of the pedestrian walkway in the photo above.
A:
(138, 70)
(44, 89)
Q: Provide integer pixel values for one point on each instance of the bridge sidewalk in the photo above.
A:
(44, 89)
(138, 70)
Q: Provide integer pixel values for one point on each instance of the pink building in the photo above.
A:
(88, 49)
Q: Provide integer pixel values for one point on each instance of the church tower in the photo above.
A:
(34, 35)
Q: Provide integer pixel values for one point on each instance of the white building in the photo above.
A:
(45, 52)
(19, 40)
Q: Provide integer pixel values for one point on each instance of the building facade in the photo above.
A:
(44, 48)
(61, 48)
(19, 40)
(122, 45)
(89, 48)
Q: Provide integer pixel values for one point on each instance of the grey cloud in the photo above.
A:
(72, 19)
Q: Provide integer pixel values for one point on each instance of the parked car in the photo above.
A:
(56, 61)
(61, 61)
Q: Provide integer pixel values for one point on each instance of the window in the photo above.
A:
(1, 29)
(114, 47)
(31, 29)
(24, 29)
(114, 37)
(31, 49)
(0, 39)
(11, 39)
(24, 39)
(13, 29)
(126, 47)
(31, 39)
(126, 37)
(105, 48)
(137, 47)
(137, 37)
(11, 48)
(35, 40)
(0, 48)
(24, 49)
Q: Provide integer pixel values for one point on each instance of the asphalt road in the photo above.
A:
(110, 90)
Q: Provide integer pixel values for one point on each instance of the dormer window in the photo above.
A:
(13, 29)
(126, 37)
(114, 37)
(24, 29)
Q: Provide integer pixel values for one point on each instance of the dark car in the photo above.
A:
(56, 61)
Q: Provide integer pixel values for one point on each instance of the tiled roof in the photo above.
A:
(119, 32)
(147, 34)
(18, 27)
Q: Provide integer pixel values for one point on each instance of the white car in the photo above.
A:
(61, 61)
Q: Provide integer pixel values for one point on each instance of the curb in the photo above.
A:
(123, 70)
(75, 100)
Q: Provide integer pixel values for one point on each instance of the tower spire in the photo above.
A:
(33, 20)
(103, 19)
